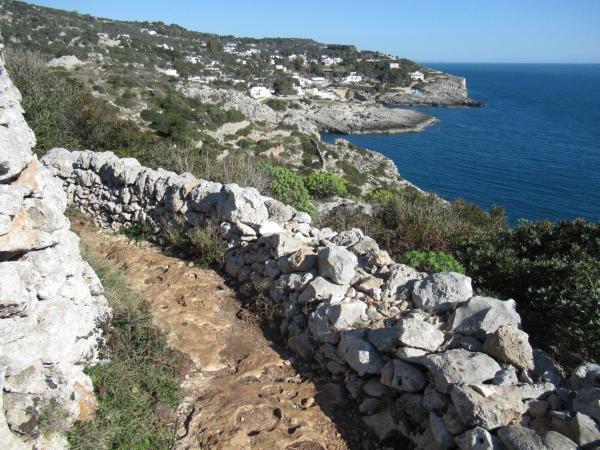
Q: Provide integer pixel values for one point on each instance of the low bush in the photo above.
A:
(553, 271)
(141, 373)
(289, 188)
(323, 185)
(276, 104)
(432, 261)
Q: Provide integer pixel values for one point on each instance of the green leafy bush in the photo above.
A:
(432, 261)
(325, 185)
(553, 272)
(289, 188)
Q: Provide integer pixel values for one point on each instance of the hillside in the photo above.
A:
(192, 89)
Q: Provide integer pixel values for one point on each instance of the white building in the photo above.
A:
(165, 46)
(319, 81)
(193, 59)
(229, 47)
(260, 92)
(417, 76)
(150, 32)
(394, 65)
(352, 78)
(328, 61)
(170, 72)
(324, 95)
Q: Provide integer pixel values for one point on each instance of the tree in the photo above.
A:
(283, 86)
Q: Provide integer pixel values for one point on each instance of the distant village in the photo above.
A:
(317, 87)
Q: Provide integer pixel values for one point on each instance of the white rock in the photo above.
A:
(442, 291)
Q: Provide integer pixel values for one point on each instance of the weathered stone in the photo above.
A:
(16, 288)
(348, 238)
(282, 244)
(370, 406)
(481, 316)
(359, 353)
(460, 367)
(374, 388)
(515, 437)
(302, 217)
(586, 375)
(400, 280)
(279, 211)
(322, 290)
(584, 430)
(303, 259)
(383, 338)
(382, 424)
(441, 436)
(587, 401)
(364, 246)
(11, 199)
(511, 345)
(476, 439)
(243, 204)
(487, 406)
(402, 376)
(270, 227)
(442, 291)
(410, 354)
(369, 284)
(433, 400)
(419, 334)
(337, 264)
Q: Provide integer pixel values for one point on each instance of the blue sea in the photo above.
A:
(534, 148)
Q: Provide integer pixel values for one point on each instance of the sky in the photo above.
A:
(534, 31)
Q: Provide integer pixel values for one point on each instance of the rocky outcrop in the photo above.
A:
(51, 302)
(421, 355)
(358, 118)
(318, 117)
(438, 90)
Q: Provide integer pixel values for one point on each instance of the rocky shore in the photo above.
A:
(440, 90)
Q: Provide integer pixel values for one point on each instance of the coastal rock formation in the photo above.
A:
(318, 116)
(440, 90)
(51, 302)
(455, 370)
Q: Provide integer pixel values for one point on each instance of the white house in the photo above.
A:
(192, 59)
(394, 65)
(229, 47)
(260, 92)
(319, 81)
(150, 32)
(170, 72)
(417, 76)
(352, 78)
(324, 95)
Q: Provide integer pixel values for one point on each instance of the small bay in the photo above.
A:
(534, 148)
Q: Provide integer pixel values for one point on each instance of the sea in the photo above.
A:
(533, 149)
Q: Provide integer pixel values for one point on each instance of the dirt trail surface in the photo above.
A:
(245, 391)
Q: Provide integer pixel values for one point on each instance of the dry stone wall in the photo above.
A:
(420, 353)
(51, 302)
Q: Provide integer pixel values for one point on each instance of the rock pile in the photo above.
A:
(420, 353)
(51, 301)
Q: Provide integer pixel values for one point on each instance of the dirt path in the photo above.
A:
(245, 391)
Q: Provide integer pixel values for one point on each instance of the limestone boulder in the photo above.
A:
(359, 353)
(481, 316)
(459, 366)
(402, 376)
(322, 290)
(243, 204)
(417, 333)
(337, 264)
(442, 291)
(511, 345)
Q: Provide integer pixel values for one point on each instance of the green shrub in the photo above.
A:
(138, 231)
(276, 104)
(380, 196)
(553, 272)
(289, 188)
(325, 185)
(206, 244)
(432, 261)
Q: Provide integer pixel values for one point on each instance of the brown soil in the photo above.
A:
(244, 391)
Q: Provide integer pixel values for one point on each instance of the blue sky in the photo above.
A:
(424, 30)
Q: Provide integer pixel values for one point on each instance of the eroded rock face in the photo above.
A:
(51, 302)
